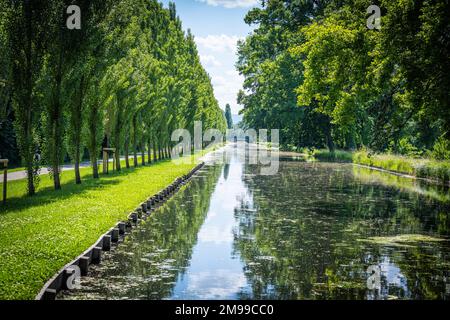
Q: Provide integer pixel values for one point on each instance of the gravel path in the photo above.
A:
(19, 175)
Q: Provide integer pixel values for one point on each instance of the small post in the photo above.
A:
(115, 235)
(83, 263)
(49, 295)
(121, 226)
(105, 162)
(5, 178)
(106, 243)
(106, 152)
(96, 255)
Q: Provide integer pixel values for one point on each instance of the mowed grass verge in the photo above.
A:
(39, 235)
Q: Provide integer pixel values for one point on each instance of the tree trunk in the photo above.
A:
(155, 157)
(94, 167)
(28, 147)
(127, 153)
(143, 153)
(30, 179)
(149, 152)
(118, 132)
(117, 146)
(56, 120)
(77, 165)
(57, 144)
(329, 139)
(93, 143)
(77, 172)
(134, 140)
(135, 157)
(78, 127)
(93, 150)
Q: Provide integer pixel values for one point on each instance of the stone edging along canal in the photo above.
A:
(93, 255)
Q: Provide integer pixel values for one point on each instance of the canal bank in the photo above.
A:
(313, 231)
(419, 168)
(41, 234)
(69, 276)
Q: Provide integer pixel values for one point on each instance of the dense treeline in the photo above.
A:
(314, 70)
(126, 79)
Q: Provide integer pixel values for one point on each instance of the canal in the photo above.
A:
(312, 231)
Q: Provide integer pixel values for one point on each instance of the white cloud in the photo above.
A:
(226, 88)
(210, 60)
(219, 43)
(218, 56)
(230, 4)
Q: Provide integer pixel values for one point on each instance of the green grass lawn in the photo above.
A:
(39, 235)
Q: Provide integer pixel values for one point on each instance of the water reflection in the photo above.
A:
(310, 232)
(216, 270)
(148, 264)
(312, 221)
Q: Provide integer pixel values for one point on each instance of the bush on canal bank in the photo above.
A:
(421, 168)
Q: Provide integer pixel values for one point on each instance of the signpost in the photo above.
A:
(106, 152)
(4, 162)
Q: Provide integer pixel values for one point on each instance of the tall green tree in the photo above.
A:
(26, 27)
(228, 116)
(315, 71)
(129, 77)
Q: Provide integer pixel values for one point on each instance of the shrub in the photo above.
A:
(337, 155)
(441, 149)
(422, 168)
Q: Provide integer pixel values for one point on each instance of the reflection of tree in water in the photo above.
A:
(150, 261)
(226, 171)
(306, 239)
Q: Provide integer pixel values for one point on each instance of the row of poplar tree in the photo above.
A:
(129, 76)
(316, 71)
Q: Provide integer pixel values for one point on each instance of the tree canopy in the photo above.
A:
(314, 70)
(126, 79)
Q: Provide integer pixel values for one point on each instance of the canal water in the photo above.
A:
(313, 231)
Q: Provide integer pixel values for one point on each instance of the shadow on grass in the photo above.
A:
(68, 189)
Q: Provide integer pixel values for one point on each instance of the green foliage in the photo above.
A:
(337, 155)
(441, 149)
(418, 167)
(131, 74)
(422, 168)
(320, 76)
(406, 148)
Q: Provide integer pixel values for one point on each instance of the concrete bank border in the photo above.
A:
(93, 255)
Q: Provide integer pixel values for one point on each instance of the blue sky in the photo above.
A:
(217, 26)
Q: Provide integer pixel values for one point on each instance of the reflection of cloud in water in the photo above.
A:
(220, 284)
(216, 234)
(215, 270)
(393, 274)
